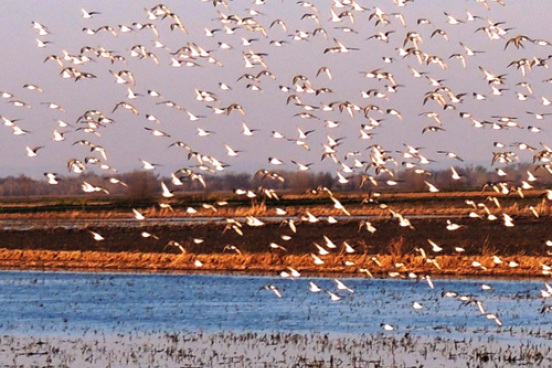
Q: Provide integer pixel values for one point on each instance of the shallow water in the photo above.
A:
(50, 223)
(68, 302)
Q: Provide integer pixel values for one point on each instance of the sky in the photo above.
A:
(267, 107)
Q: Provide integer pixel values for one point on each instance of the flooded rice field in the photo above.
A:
(69, 302)
(175, 320)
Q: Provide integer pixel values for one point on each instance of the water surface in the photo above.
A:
(73, 302)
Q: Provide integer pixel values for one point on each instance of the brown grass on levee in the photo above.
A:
(366, 266)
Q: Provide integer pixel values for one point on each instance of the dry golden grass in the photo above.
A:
(268, 263)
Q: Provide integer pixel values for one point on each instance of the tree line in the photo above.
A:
(146, 184)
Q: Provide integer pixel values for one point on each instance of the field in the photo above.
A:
(58, 234)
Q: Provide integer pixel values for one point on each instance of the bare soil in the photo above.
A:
(223, 249)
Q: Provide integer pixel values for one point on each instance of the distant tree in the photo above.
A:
(142, 185)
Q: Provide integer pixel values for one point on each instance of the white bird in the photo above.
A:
(277, 246)
(272, 288)
(494, 317)
(275, 161)
(452, 226)
(329, 243)
(432, 188)
(302, 167)
(247, 131)
(321, 251)
(280, 212)
(138, 215)
(157, 133)
(230, 151)
(436, 248)
(486, 287)
(429, 281)
(203, 133)
(87, 14)
(52, 178)
(454, 175)
(348, 248)
(58, 136)
(508, 221)
(317, 260)
(32, 152)
(342, 286)
(97, 237)
(333, 297)
(148, 165)
(166, 192)
(145, 234)
(314, 288)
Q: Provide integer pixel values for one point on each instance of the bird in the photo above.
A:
(451, 155)
(452, 226)
(232, 248)
(146, 234)
(52, 178)
(146, 165)
(176, 244)
(157, 133)
(97, 236)
(432, 128)
(32, 151)
(333, 297)
(454, 174)
(272, 288)
(32, 87)
(126, 106)
(248, 132)
(493, 317)
(435, 247)
(203, 133)
(138, 215)
(432, 188)
(317, 260)
(277, 246)
(166, 192)
(321, 251)
(300, 166)
(342, 286)
(88, 14)
(314, 288)
(517, 41)
(230, 151)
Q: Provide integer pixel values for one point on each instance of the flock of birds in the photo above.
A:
(409, 79)
(319, 98)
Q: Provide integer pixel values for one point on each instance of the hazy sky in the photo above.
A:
(126, 140)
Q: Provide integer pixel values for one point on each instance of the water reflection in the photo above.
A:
(68, 302)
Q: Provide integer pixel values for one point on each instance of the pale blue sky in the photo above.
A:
(127, 141)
